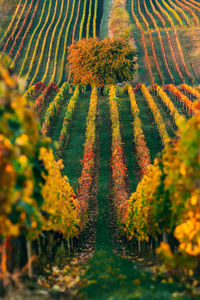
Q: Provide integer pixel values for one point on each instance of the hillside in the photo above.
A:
(100, 185)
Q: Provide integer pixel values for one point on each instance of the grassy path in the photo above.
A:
(127, 133)
(73, 153)
(149, 127)
(110, 276)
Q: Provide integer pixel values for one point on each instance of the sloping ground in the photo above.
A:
(190, 39)
(107, 5)
(6, 13)
(164, 36)
(40, 32)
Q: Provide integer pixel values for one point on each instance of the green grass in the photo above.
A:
(127, 134)
(73, 153)
(107, 4)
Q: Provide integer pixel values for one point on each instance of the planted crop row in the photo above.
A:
(21, 29)
(190, 90)
(143, 42)
(13, 32)
(166, 201)
(167, 102)
(64, 134)
(44, 44)
(44, 58)
(88, 161)
(94, 25)
(58, 43)
(176, 16)
(195, 2)
(175, 50)
(43, 99)
(177, 41)
(191, 12)
(181, 11)
(60, 200)
(51, 42)
(76, 21)
(160, 40)
(89, 20)
(168, 37)
(32, 93)
(32, 39)
(11, 22)
(157, 116)
(192, 5)
(187, 103)
(65, 45)
(26, 32)
(82, 20)
(151, 41)
(33, 58)
(142, 151)
(54, 109)
(119, 171)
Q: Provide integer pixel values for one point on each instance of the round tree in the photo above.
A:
(109, 61)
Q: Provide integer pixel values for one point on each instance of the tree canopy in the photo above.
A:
(110, 61)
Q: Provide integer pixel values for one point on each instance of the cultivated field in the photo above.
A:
(127, 188)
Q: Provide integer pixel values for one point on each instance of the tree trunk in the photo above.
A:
(100, 94)
(30, 271)
(165, 239)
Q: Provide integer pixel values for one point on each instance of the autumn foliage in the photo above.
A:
(91, 61)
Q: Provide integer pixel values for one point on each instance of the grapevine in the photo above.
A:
(158, 118)
(160, 40)
(82, 21)
(152, 43)
(181, 97)
(15, 28)
(119, 171)
(11, 22)
(95, 18)
(27, 30)
(168, 103)
(32, 39)
(191, 91)
(44, 44)
(65, 44)
(88, 162)
(21, 29)
(51, 43)
(89, 20)
(143, 153)
(54, 109)
(58, 43)
(75, 24)
(38, 40)
(143, 42)
(64, 134)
